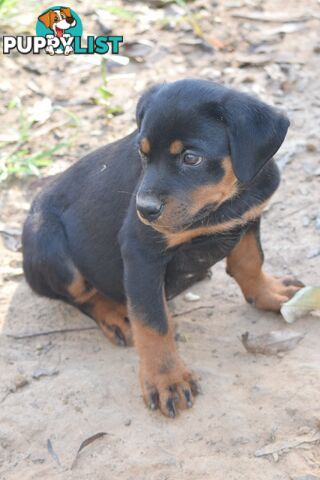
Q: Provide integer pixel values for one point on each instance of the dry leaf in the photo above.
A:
(11, 238)
(282, 445)
(41, 110)
(7, 273)
(303, 302)
(138, 50)
(52, 452)
(44, 372)
(87, 442)
(272, 343)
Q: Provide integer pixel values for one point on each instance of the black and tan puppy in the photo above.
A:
(139, 221)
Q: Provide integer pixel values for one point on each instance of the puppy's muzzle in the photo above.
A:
(149, 207)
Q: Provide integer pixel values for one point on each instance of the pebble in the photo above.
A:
(191, 297)
(313, 252)
(20, 381)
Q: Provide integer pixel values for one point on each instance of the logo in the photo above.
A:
(59, 32)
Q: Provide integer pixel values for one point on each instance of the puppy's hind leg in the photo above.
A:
(50, 271)
(110, 315)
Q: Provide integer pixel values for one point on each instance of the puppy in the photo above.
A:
(137, 222)
(58, 21)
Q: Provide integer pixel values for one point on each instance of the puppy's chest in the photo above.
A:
(204, 251)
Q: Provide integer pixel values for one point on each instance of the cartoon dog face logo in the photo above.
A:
(58, 20)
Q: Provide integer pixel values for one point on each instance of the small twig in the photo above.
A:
(179, 314)
(271, 18)
(50, 332)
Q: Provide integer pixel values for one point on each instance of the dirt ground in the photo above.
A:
(91, 386)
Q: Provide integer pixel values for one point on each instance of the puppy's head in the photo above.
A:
(199, 143)
(58, 20)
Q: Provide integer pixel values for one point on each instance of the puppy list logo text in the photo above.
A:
(59, 31)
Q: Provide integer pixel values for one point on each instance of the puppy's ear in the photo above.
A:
(66, 11)
(145, 101)
(45, 18)
(256, 132)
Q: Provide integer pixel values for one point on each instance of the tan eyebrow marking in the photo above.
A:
(176, 147)
(145, 145)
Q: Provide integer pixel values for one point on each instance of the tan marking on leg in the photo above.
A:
(111, 317)
(145, 146)
(264, 291)
(176, 147)
(78, 290)
(164, 378)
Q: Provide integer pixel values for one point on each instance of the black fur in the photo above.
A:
(87, 218)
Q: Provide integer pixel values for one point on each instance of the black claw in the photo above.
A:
(170, 407)
(195, 387)
(120, 338)
(188, 398)
(154, 401)
(250, 300)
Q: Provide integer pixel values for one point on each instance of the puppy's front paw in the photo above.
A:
(271, 292)
(168, 386)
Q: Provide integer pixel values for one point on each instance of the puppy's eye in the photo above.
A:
(63, 16)
(192, 159)
(56, 19)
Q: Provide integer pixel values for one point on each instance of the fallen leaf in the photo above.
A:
(283, 445)
(7, 273)
(253, 60)
(11, 237)
(303, 302)
(138, 50)
(87, 442)
(41, 111)
(306, 477)
(52, 452)
(44, 372)
(10, 137)
(272, 343)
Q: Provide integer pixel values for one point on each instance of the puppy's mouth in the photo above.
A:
(59, 32)
(202, 217)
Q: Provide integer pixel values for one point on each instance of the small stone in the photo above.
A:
(306, 221)
(311, 147)
(313, 252)
(128, 422)
(20, 381)
(318, 222)
(191, 297)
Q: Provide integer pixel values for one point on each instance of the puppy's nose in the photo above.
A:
(149, 207)
(70, 20)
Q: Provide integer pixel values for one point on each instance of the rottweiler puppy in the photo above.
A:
(137, 222)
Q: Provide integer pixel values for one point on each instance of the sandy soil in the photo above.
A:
(247, 401)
